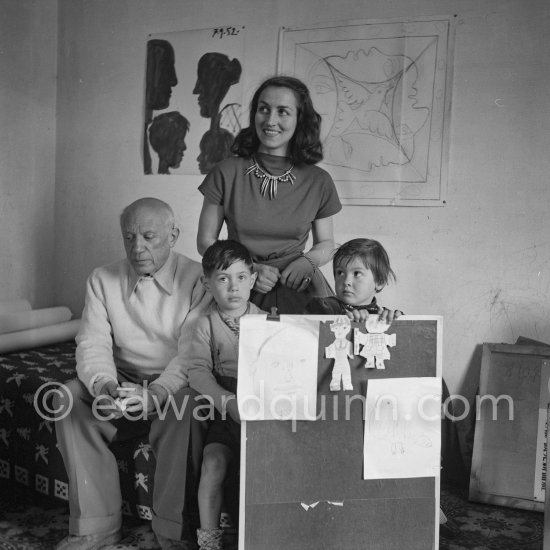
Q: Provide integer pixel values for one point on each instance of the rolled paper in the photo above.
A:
(25, 320)
(36, 337)
(6, 306)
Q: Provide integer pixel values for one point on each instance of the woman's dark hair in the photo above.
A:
(305, 146)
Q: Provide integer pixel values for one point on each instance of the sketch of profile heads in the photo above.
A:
(215, 145)
(167, 137)
(160, 78)
(160, 74)
(216, 73)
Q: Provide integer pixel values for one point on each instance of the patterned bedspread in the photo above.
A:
(28, 448)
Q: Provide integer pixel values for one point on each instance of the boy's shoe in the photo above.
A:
(210, 539)
(89, 542)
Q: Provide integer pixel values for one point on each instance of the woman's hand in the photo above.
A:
(297, 274)
(267, 277)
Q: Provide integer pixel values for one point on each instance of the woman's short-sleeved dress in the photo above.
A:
(275, 231)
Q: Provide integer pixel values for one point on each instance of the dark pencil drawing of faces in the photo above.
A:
(215, 146)
(159, 80)
(216, 73)
(167, 137)
(161, 74)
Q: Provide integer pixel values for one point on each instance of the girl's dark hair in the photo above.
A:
(224, 253)
(305, 146)
(371, 253)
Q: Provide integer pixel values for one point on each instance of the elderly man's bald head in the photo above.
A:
(152, 204)
(149, 233)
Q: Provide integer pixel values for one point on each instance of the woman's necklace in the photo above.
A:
(269, 181)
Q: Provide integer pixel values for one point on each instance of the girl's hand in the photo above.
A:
(387, 316)
(360, 315)
(267, 277)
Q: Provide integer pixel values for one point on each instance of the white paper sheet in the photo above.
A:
(25, 320)
(403, 428)
(42, 336)
(277, 368)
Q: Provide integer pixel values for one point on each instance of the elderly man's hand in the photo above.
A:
(106, 400)
(110, 388)
(139, 398)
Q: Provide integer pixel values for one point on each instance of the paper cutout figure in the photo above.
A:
(375, 343)
(340, 350)
(402, 428)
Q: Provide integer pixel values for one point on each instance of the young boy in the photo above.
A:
(361, 269)
(212, 358)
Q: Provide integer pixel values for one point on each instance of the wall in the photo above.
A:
(480, 261)
(28, 55)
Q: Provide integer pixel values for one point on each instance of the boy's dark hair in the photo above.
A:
(224, 253)
(305, 145)
(371, 253)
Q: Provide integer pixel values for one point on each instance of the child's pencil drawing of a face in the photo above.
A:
(284, 367)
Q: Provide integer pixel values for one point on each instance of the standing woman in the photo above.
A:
(271, 195)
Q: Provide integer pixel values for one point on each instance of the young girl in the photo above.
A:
(361, 269)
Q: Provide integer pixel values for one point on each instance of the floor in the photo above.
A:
(27, 522)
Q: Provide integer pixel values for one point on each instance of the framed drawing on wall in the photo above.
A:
(383, 90)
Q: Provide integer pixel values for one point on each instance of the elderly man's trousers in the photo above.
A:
(94, 491)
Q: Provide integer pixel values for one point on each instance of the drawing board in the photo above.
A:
(302, 483)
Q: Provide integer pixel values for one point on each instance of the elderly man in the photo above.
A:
(135, 312)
